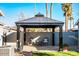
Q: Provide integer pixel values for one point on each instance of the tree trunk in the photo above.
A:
(46, 9)
(35, 9)
(73, 24)
(66, 23)
(51, 11)
(70, 24)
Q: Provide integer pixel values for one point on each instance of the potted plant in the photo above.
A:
(65, 47)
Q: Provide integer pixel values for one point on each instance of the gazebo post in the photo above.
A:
(60, 39)
(52, 36)
(18, 37)
(24, 36)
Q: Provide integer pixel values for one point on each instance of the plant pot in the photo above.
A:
(65, 49)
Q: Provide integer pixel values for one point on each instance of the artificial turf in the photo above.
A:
(70, 53)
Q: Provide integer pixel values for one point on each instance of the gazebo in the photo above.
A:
(39, 21)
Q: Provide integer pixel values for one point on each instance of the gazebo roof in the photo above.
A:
(39, 19)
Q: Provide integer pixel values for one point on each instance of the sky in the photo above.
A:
(12, 11)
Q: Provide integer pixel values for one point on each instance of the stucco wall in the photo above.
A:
(70, 38)
(12, 37)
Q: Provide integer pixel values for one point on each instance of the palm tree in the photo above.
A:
(66, 7)
(71, 16)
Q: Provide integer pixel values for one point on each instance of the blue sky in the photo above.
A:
(12, 11)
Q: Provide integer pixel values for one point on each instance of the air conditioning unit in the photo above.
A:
(6, 51)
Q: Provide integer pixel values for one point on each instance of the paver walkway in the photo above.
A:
(40, 48)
